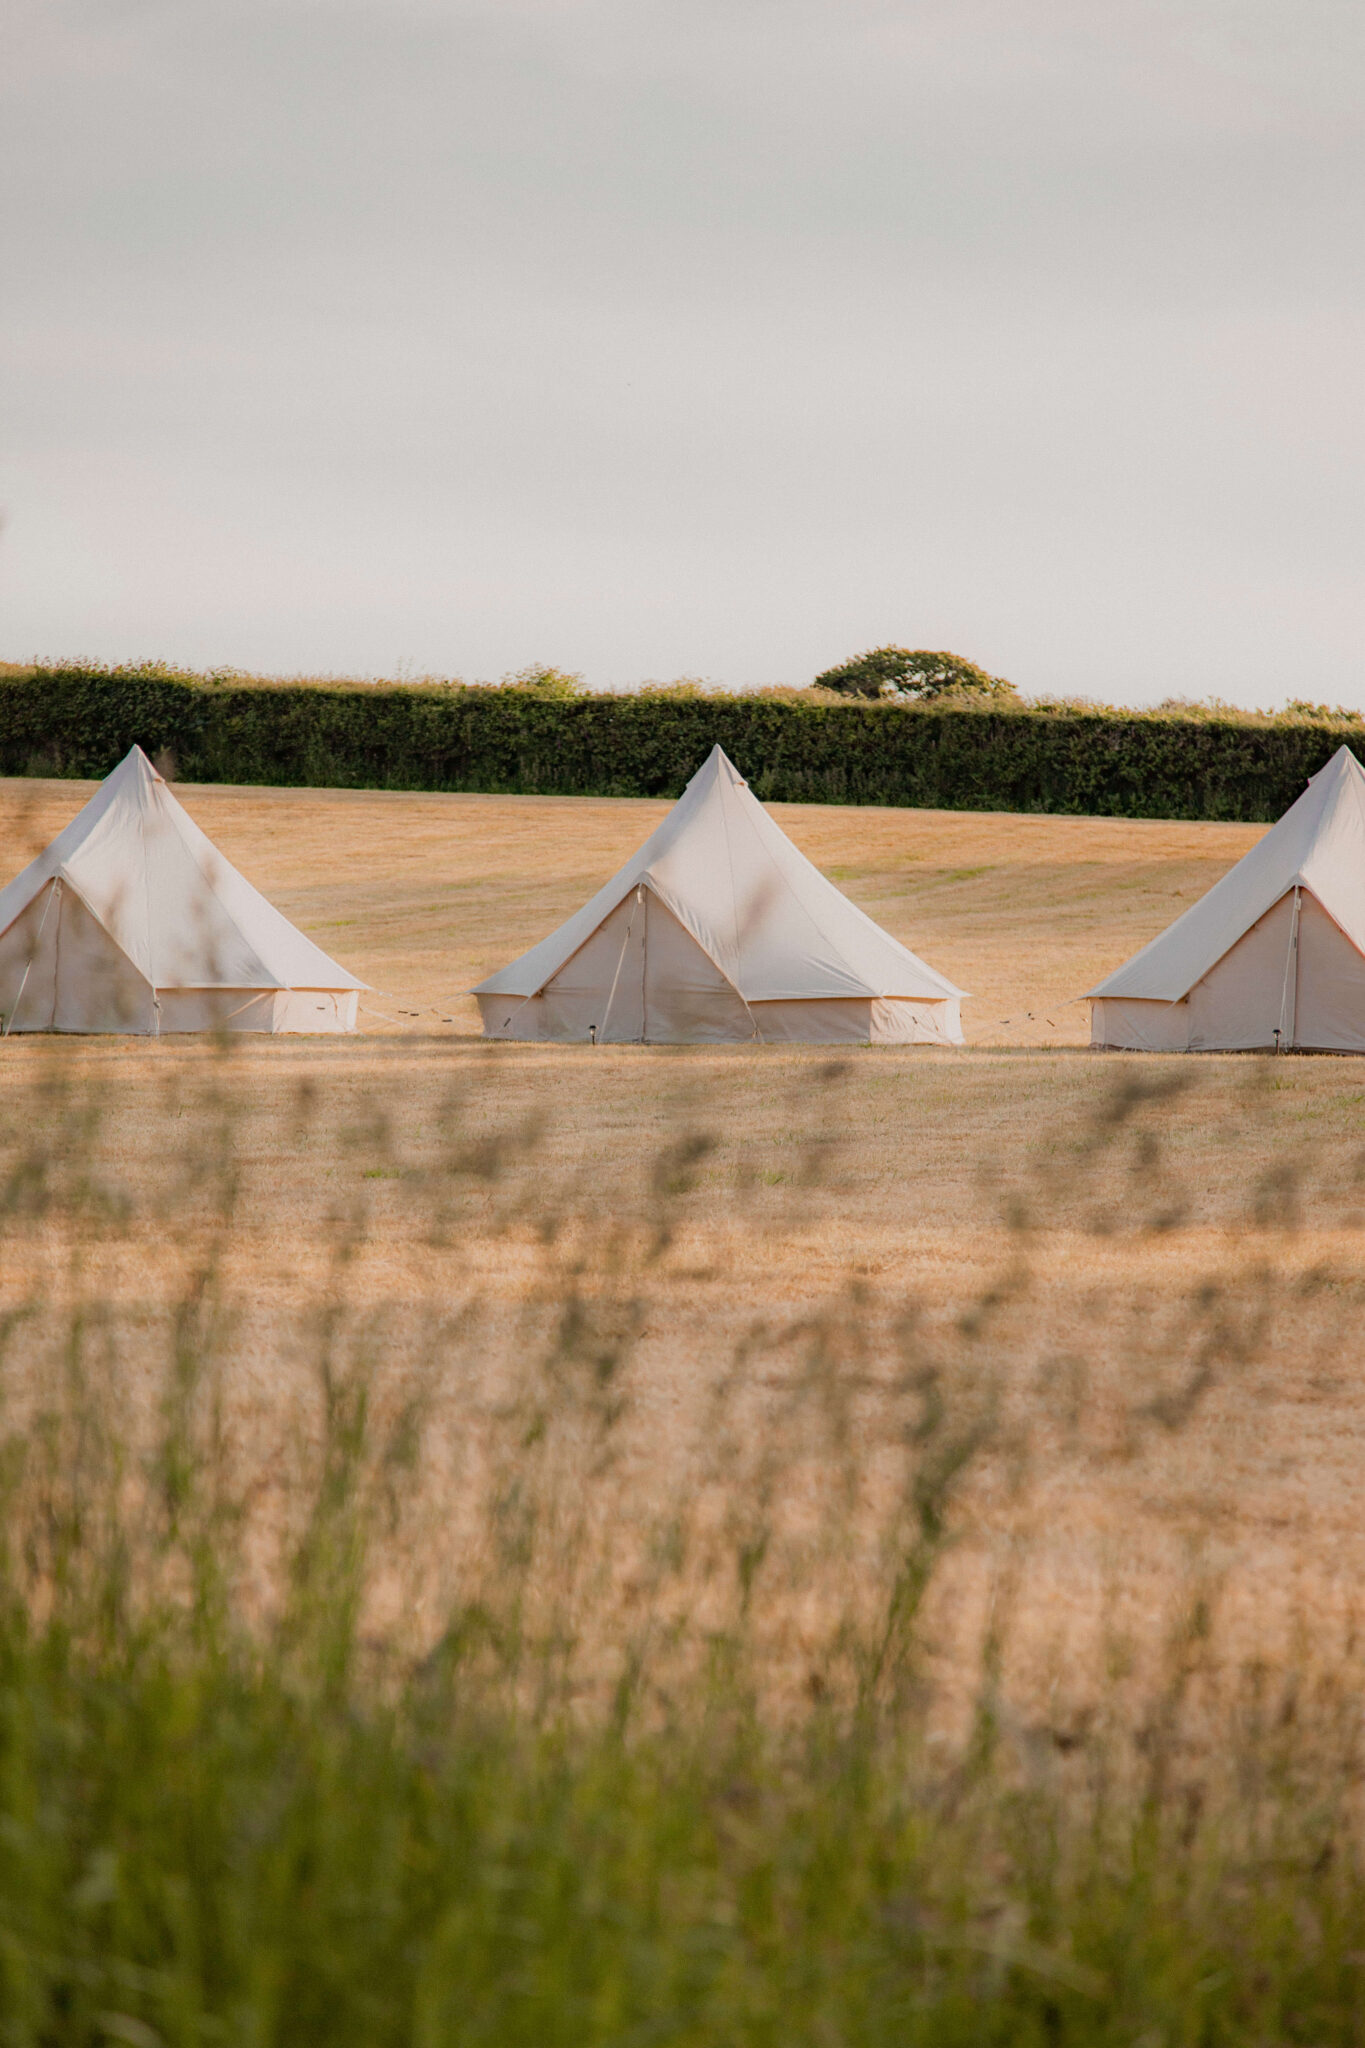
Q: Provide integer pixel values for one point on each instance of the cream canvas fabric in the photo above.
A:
(719, 930)
(1276, 947)
(131, 920)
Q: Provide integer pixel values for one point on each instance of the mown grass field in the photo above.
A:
(1011, 1396)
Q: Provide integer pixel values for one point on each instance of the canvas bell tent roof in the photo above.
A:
(716, 930)
(131, 920)
(1274, 954)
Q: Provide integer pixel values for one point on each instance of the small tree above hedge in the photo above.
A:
(540, 680)
(912, 672)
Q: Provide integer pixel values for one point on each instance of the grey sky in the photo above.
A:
(718, 337)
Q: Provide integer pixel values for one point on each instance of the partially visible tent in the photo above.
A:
(131, 920)
(1273, 955)
(719, 930)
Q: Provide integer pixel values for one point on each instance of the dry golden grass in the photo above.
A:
(1168, 1314)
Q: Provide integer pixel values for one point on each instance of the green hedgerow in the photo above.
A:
(540, 734)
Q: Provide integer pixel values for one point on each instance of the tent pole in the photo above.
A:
(1289, 1011)
(620, 963)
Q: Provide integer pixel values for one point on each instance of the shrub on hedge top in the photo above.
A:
(913, 672)
(541, 681)
(956, 753)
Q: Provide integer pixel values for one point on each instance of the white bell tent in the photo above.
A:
(132, 921)
(1273, 955)
(719, 930)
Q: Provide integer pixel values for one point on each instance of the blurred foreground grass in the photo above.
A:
(431, 1720)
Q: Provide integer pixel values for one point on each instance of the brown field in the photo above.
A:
(1156, 1294)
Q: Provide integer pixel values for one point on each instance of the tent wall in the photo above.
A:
(28, 958)
(1249, 995)
(1128, 1024)
(1330, 1004)
(860, 1020)
(640, 978)
(292, 1010)
(1237, 1007)
(61, 971)
(898, 1022)
(1301, 976)
(316, 1009)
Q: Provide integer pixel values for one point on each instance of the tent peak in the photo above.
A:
(135, 766)
(718, 760)
(1342, 762)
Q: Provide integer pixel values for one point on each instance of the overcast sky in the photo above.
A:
(706, 337)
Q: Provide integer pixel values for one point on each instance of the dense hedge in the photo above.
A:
(75, 721)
